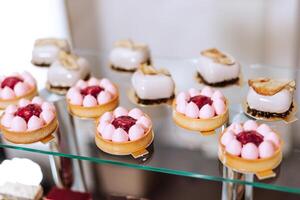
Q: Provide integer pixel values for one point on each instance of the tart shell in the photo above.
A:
(262, 167)
(29, 137)
(95, 111)
(202, 125)
(6, 102)
(135, 148)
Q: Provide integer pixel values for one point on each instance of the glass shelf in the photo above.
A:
(174, 150)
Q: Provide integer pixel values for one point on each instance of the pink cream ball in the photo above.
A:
(206, 112)
(34, 123)
(81, 84)
(249, 151)
(250, 125)
(108, 132)
(47, 116)
(266, 149)
(11, 109)
(183, 97)
(194, 92)
(181, 107)
(207, 91)
(93, 81)
(48, 106)
(21, 89)
(120, 111)
(120, 135)
(7, 93)
(219, 106)
(271, 136)
(89, 101)
(136, 132)
(18, 124)
(192, 110)
(76, 99)
(107, 117)
(37, 100)
(23, 102)
(236, 128)
(135, 113)
(227, 137)
(104, 97)
(234, 147)
(7, 119)
(217, 95)
(263, 129)
(144, 122)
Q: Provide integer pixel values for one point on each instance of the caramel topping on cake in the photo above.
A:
(69, 61)
(61, 43)
(130, 44)
(269, 87)
(150, 70)
(217, 56)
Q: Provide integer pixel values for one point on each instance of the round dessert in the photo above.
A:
(203, 111)
(217, 68)
(92, 98)
(65, 72)
(127, 56)
(251, 148)
(46, 51)
(29, 121)
(15, 87)
(124, 132)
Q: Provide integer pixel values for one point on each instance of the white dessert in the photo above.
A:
(215, 66)
(46, 51)
(128, 55)
(151, 84)
(67, 70)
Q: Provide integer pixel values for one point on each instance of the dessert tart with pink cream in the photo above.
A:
(127, 56)
(92, 98)
(15, 87)
(29, 121)
(251, 148)
(152, 86)
(216, 68)
(46, 51)
(124, 132)
(270, 99)
(200, 110)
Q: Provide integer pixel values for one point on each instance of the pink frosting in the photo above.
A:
(21, 88)
(104, 97)
(111, 89)
(93, 81)
(263, 129)
(72, 91)
(206, 112)
(11, 109)
(35, 123)
(89, 101)
(227, 137)
(119, 135)
(76, 99)
(236, 128)
(105, 82)
(37, 100)
(266, 149)
(249, 151)
(107, 117)
(48, 106)
(135, 113)
(81, 84)
(250, 125)
(18, 124)
(271, 136)
(7, 93)
(145, 122)
(47, 115)
(28, 78)
(120, 111)
(217, 95)
(23, 102)
(193, 92)
(136, 132)
(207, 91)
(219, 106)
(234, 147)
(192, 110)
(6, 120)
(108, 131)
(182, 97)
(181, 107)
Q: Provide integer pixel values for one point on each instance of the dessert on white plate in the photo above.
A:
(66, 71)
(128, 56)
(216, 68)
(152, 86)
(270, 98)
(46, 50)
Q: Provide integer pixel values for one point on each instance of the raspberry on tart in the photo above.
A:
(92, 98)
(29, 121)
(124, 122)
(200, 110)
(15, 87)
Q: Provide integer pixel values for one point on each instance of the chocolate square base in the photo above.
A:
(218, 84)
(257, 113)
(120, 69)
(153, 101)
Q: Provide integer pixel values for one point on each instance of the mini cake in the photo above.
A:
(92, 98)
(128, 56)
(46, 50)
(66, 71)
(124, 132)
(217, 68)
(152, 86)
(29, 121)
(202, 111)
(251, 148)
(270, 98)
(15, 87)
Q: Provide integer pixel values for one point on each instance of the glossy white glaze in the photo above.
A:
(277, 103)
(152, 86)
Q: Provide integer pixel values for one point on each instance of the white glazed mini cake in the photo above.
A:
(128, 56)
(152, 86)
(270, 97)
(66, 71)
(46, 50)
(217, 68)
